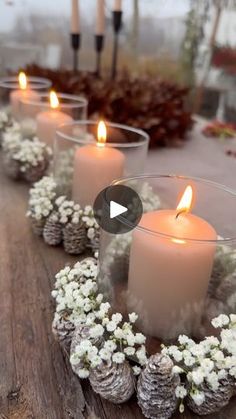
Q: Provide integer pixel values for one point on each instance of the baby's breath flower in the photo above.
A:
(136, 370)
(180, 392)
(83, 373)
(111, 326)
(220, 321)
(129, 351)
(96, 331)
(198, 397)
(118, 357)
(133, 317)
(105, 354)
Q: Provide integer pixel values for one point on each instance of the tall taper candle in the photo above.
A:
(100, 18)
(75, 22)
(117, 5)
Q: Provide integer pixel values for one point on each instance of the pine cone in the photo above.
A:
(113, 382)
(215, 400)
(74, 238)
(35, 173)
(38, 225)
(11, 167)
(156, 388)
(63, 329)
(82, 332)
(52, 232)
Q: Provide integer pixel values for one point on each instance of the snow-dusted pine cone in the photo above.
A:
(156, 388)
(38, 225)
(74, 238)
(215, 400)
(35, 173)
(63, 329)
(82, 332)
(113, 382)
(52, 232)
(11, 166)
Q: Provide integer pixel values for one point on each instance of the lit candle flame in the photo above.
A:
(186, 201)
(184, 206)
(54, 102)
(101, 134)
(22, 80)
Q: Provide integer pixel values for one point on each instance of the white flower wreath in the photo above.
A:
(211, 360)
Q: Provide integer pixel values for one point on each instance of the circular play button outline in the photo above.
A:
(118, 209)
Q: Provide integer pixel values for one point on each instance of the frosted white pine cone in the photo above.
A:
(74, 238)
(156, 388)
(52, 232)
(215, 400)
(63, 329)
(113, 382)
(34, 173)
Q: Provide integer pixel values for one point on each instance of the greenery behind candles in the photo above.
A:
(157, 106)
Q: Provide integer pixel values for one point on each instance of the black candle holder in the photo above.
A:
(99, 44)
(117, 24)
(75, 45)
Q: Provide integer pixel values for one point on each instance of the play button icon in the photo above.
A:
(118, 209)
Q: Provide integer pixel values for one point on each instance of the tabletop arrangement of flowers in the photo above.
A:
(24, 157)
(62, 221)
(108, 349)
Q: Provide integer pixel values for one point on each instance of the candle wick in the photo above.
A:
(180, 212)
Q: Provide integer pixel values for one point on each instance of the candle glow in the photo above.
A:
(54, 102)
(186, 200)
(22, 80)
(101, 134)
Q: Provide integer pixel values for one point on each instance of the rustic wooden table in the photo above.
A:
(36, 381)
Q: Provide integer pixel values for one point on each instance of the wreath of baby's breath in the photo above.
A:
(210, 361)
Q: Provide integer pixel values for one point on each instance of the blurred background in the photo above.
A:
(188, 42)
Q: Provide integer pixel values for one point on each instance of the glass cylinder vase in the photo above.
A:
(83, 166)
(11, 92)
(177, 268)
(45, 115)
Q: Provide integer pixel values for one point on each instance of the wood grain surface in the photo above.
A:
(36, 381)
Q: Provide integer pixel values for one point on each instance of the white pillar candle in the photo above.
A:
(48, 121)
(169, 276)
(75, 21)
(100, 18)
(95, 167)
(23, 93)
(117, 5)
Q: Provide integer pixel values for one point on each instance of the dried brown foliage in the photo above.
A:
(156, 106)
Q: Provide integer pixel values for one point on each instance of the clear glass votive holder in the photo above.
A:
(10, 92)
(176, 269)
(84, 166)
(43, 117)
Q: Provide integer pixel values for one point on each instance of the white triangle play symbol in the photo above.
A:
(116, 209)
